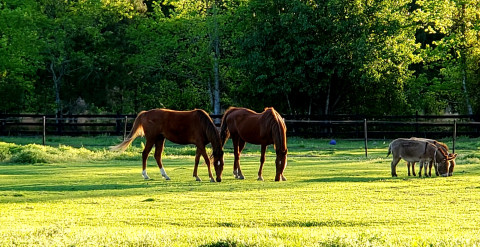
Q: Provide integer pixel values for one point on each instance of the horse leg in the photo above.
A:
(241, 145)
(207, 161)
(197, 160)
(282, 169)
(238, 145)
(262, 160)
(146, 151)
(393, 166)
(158, 156)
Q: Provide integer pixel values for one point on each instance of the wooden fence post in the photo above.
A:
(454, 134)
(366, 139)
(125, 128)
(44, 130)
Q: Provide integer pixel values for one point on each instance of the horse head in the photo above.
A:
(281, 160)
(218, 164)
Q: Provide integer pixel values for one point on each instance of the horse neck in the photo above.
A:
(278, 134)
(213, 136)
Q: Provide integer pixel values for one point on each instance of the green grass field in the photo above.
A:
(86, 195)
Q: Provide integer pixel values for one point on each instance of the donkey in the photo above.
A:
(412, 150)
(440, 145)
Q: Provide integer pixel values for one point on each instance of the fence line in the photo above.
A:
(344, 126)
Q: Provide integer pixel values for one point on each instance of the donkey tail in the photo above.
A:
(137, 130)
(224, 132)
(389, 149)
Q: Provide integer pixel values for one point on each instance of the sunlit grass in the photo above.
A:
(334, 196)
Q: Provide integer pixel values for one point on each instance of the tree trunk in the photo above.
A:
(327, 101)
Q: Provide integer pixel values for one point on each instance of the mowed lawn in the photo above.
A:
(334, 196)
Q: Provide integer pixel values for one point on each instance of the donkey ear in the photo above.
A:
(452, 156)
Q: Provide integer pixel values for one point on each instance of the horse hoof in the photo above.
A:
(260, 179)
(212, 180)
(198, 179)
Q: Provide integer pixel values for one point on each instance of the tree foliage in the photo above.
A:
(302, 56)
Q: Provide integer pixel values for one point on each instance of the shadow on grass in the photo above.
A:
(347, 179)
(69, 188)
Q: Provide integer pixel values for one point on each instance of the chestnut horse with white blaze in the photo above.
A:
(244, 125)
(181, 127)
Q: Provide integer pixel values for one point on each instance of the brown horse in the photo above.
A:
(245, 125)
(182, 127)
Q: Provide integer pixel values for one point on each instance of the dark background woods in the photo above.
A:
(302, 57)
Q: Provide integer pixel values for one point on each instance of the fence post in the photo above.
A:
(454, 134)
(44, 130)
(365, 129)
(125, 128)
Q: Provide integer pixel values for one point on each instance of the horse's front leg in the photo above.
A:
(195, 168)
(207, 162)
(262, 160)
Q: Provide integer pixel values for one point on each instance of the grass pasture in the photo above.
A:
(87, 196)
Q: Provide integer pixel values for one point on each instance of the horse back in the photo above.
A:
(180, 127)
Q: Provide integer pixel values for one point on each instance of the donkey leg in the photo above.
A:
(159, 144)
(408, 166)
(420, 170)
(146, 151)
(262, 160)
(430, 164)
(195, 168)
(413, 169)
(450, 169)
(393, 166)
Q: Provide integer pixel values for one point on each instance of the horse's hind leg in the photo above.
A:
(159, 144)
(146, 151)
(262, 160)
(238, 145)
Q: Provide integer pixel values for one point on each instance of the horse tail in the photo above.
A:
(137, 130)
(224, 132)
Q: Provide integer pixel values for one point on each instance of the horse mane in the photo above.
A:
(442, 144)
(211, 131)
(272, 118)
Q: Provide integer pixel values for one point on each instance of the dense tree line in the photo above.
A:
(300, 56)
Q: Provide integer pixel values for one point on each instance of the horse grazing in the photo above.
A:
(412, 150)
(244, 125)
(181, 127)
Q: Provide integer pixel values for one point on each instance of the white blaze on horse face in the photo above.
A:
(218, 163)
